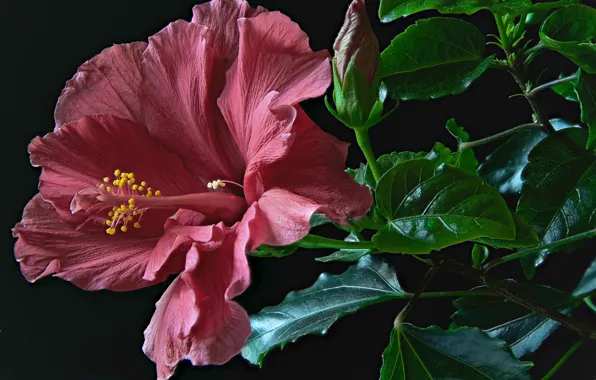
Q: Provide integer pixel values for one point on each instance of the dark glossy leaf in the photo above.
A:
(387, 161)
(503, 168)
(540, 11)
(433, 58)
(566, 90)
(318, 219)
(525, 236)
(587, 283)
(314, 310)
(521, 328)
(393, 9)
(347, 254)
(571, 31)
(479, 255)
(558, 197)
(431, 354)
(430, 208)
(586, 92)
(358, 174)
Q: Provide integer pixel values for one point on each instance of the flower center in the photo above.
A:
(125, 201)
(127, 212)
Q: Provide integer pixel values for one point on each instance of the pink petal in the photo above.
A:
(181, 88)
(274, 55)
(279, 217)
(182, 231)
(91, 260)
(220, 17)
(79, 155)
(108, 83)
(314, 169)
(195, 319)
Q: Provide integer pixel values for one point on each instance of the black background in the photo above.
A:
(53, 330)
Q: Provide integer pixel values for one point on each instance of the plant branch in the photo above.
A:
(401, 317)
(518, 74)
(553, 83)
(315, 241)
(477, 275)
(364, 144)
(518, 255)
(498, 136)
(591, 305)
(563, 359)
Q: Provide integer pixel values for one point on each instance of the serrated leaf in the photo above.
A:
(586, 93)
(587, 283)
(521, 328)
(390, 10)
(571, 31)
(464, 159)
(364, 174)
(479, 255)
(456, 131)
(566, 90)
(347, 254)
(557, 198)
(467, 353)
(430, 208)
(314, 310)
(503, 168)
(525, 236)
(433, 58)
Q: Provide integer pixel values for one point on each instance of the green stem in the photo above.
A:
(518, 255)
(401, 317)
(498, 136)
(364, 143)
(457, 293)
(562, 361)
(553, 83)
(588, 301)
(315, 241)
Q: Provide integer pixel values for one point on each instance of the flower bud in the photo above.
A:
(356, 70)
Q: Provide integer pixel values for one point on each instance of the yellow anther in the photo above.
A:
(123, 229)
(130, 175)
(114, 208)
(116, 214)
(130, 218)
(109, 222)
(111, 213)
(143, 183)
(149, 194)
(111, 231)
(222, 184)
(158, 193)
(131, 201)
(117, 172)
(115, 182)
(135, 187)
(137, 225)
(131, 207)
(148, 189)
(131, 181)
(141, 188)
(106, 179)
(121, 182)
(123, 175)
(108, 188)
(210, 185)
(102, 186)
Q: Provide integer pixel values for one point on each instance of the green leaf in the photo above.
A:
(314, 310)
(586, 92)
(456, 131)
(464, 159)
(557, 197)
(430, 208)
(467, 353)
(318, 219)
(433, 58)
(479, 255)
(393, 9)
(503, 167)
(347, 254)
(587, 283)
(358, 174)
(566, 90)
(521, 328)
(525, 236)
(571, 31)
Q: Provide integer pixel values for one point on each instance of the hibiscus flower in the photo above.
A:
(178, 156)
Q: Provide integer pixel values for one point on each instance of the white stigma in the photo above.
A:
(215, 184)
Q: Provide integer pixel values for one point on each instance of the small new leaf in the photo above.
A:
(433, 58)
(314, 310)
(479, 255)
(432, 353)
